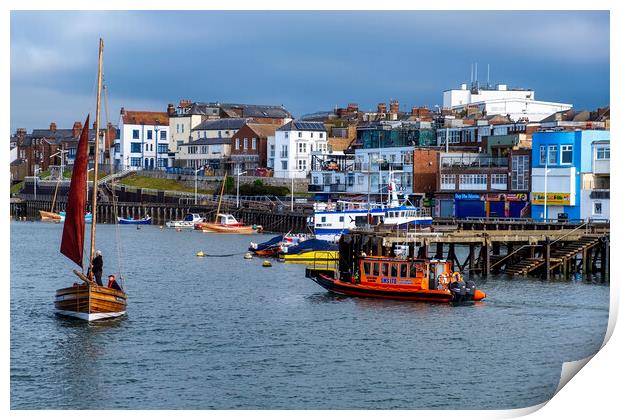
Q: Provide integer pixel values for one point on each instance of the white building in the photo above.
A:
(294, 144)
(501, 100)
(143, 142)
(184, 118)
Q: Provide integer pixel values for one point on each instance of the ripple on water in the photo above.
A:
(217, 333)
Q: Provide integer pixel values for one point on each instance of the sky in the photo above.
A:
(306, 61)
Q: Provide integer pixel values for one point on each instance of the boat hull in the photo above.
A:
(312, 256)
(90, 302)
(122, 221)
(48, 216)
(357, 290)
(217, 228)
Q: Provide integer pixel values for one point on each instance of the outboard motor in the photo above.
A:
(470, 290)
(457, 288)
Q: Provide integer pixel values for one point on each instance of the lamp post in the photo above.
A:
(239, 173)
(196, 184)
(36, 169)
(546, 171)
(156, 150)
(61, 152)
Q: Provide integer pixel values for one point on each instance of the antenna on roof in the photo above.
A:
(488, 75)
(476, 74)
(471, 77)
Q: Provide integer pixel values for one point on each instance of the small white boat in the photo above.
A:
(188, 221)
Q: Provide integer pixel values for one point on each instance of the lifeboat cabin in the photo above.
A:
(399, 278)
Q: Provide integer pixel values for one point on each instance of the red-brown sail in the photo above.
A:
(72, 245)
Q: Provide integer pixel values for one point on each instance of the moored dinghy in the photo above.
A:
(88, 301)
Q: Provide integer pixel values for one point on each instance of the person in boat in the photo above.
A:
(112, 284)
(97, 269)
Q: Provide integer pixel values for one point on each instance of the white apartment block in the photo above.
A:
(501, 100)
(294, 143)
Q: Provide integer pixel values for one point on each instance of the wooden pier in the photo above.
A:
(557, 252)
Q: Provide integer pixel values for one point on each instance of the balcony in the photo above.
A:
(473, 162)
(327, 188)
(284, 154)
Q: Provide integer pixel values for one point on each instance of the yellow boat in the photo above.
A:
(312, 256)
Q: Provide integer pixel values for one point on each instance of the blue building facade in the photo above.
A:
(568, 158)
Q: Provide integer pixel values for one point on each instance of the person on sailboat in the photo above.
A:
(98, 267)
(112, 284)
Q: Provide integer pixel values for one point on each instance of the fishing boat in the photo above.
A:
(188, 222)
(131, 221)
(398, 278)
(86, 300)
(227, 223)
(331, 220)
(311, 250)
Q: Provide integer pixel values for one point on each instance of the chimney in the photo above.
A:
(122, 110)
(393, 106)
(185, 103)
(170, 110)
(381, 108)
(77, 128)
(53, 127)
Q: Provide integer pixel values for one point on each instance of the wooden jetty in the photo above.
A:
(558, 251)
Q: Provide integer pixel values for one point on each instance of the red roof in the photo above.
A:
(145, 118)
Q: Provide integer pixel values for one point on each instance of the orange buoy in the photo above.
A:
(479, 295)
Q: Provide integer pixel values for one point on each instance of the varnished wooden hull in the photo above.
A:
(48, 216)
(217, 228)
(90, 302)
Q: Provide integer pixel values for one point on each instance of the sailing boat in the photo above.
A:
(226, 223)
(88, 301)
(51, 216)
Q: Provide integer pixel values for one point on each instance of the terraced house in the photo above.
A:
(143, 142)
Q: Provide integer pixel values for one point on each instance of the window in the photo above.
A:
(284, 165)
(286, 134)
(245, 144)
(566, 157)
(162, 148)
(163, 135)
(323, 219)
(136, 134)
(375, 269)
(135, 161)
(236, 144)
(182, 128)
(602, 152)
(254, 143)
(341, 219)
(367, 268)
(136, 148)
(403, 271)
(543, 154)
(315, 180)
(499, 178)
(219, 134)
(448, 181)
(520, 174)
(149, 134)
(301, 164)
(299, 134)
(311, 134)
(394, 270)
(473, 179)
(553, 155)
(598, 208)
(384, 269)
(161, 163)
(320, 135)
(177, 128)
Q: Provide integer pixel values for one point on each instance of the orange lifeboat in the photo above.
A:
(400, 278)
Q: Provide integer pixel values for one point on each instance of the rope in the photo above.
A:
(119, 243)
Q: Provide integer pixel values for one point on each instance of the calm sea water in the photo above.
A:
(226, 333)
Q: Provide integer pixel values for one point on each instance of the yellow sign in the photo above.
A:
(553, 199)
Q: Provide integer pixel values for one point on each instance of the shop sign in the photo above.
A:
(553, 199)
(466, 196)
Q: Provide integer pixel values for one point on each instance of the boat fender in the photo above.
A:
(479, 295)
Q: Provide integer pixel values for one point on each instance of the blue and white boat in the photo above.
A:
(331, 220)
(131, 221)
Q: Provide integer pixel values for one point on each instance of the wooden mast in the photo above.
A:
(219, 203)
(93, 227)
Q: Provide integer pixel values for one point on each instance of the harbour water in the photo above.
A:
(226, 333)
